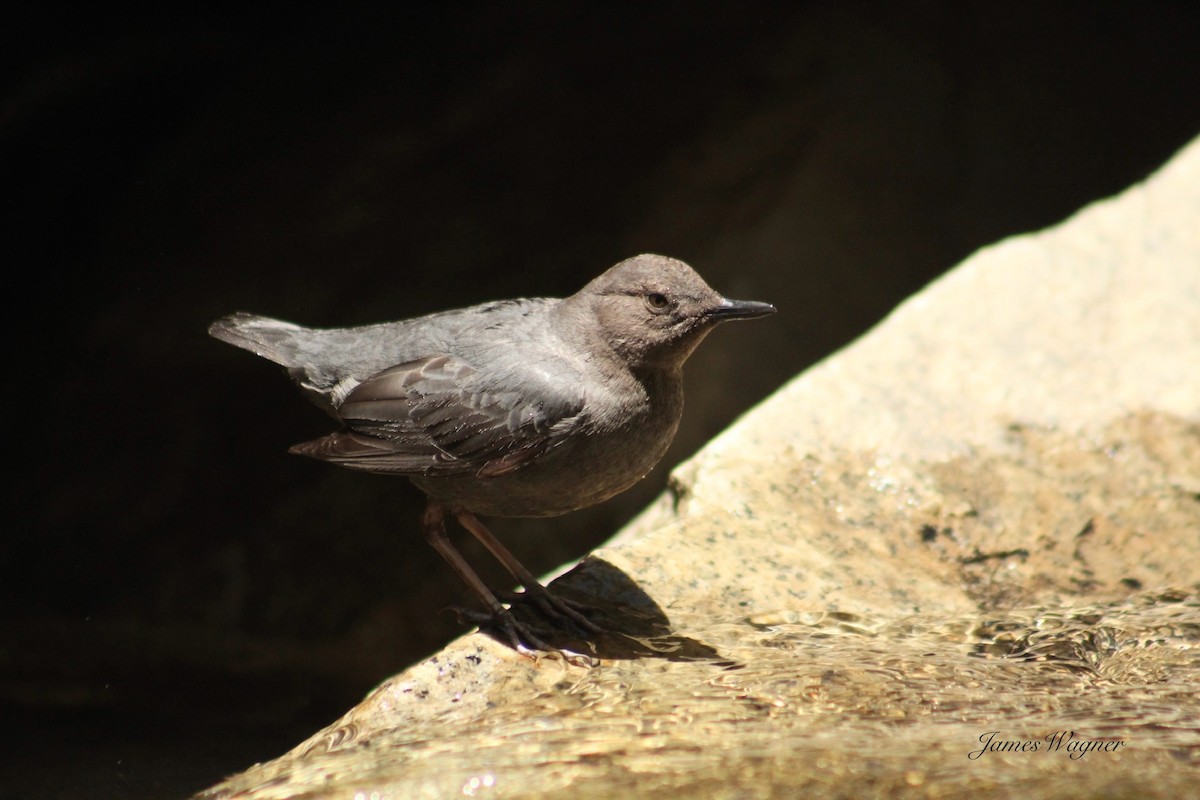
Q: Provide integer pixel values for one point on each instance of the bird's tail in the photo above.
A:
(272, 339)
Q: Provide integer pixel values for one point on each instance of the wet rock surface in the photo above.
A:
(976, 569)
(187, 599)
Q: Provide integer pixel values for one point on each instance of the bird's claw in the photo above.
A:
(558, 609)
(520, 636)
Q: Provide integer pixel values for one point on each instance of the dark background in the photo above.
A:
(184, 598)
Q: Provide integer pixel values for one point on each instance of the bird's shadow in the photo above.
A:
(633, 625)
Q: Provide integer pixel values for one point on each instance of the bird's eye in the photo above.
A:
(656, 301)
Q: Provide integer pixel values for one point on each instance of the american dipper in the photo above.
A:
(515, 408)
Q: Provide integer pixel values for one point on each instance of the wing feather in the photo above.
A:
(432, 416)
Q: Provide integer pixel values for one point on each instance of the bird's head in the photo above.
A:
(653, 310)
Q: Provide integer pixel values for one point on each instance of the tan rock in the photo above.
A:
(962, 553)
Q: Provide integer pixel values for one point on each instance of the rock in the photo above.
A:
(961, 553)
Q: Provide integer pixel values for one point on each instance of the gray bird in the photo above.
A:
(515, 408)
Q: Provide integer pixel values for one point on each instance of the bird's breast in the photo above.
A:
(623, 434)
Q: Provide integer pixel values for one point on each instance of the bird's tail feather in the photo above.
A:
(272, 339)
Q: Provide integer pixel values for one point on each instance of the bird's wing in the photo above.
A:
(431, 416)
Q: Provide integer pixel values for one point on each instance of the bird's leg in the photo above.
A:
(550, 604)
(433, 525)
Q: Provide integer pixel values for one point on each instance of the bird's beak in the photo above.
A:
(739, 309)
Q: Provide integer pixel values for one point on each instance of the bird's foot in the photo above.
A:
(523, 638)
(558, 609)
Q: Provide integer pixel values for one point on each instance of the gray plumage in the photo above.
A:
(512, 408)
(520, 408)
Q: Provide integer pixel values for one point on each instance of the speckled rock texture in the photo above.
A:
(961, 554)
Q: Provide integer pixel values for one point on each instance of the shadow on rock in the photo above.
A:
(634, 626)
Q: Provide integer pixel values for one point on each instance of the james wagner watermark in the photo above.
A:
(1073, 745)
